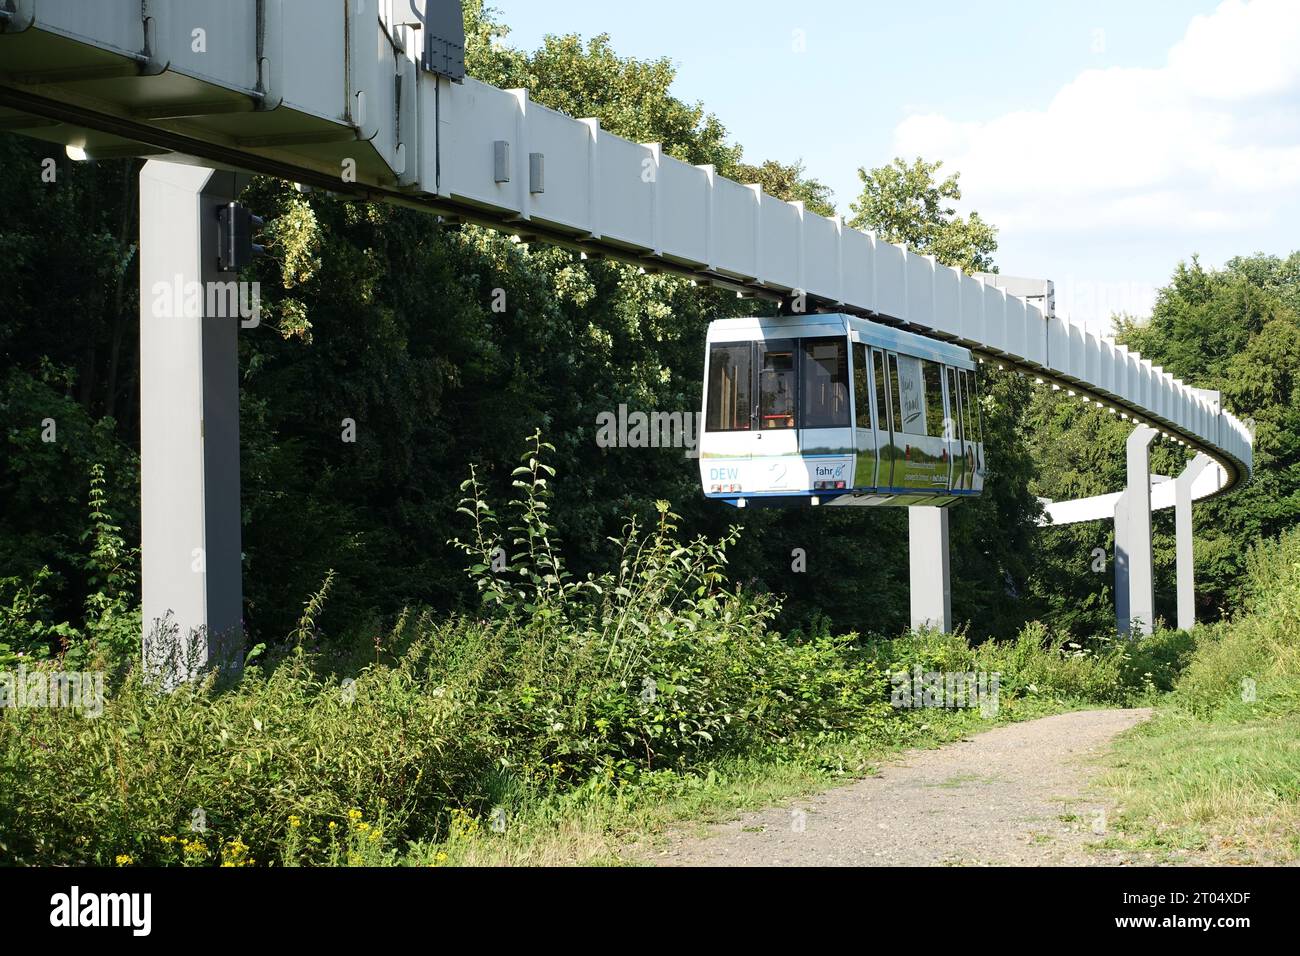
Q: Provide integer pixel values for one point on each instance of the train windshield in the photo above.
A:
(825, 383)
(778, 384)
(730, 366)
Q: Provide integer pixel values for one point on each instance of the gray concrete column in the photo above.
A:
(189, 428)
(1183, 532)
(1133, 568)
(1122, 617)
(931, 583)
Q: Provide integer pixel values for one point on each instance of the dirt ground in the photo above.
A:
(1014, 796)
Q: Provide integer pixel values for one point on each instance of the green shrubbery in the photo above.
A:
(1038, 662)
(656, 664)
(557, 686)
(1259, 650)
(109, 631)
(1216, 773)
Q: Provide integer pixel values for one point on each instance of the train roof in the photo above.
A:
(837, 323)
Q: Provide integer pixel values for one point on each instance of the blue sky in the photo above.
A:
(1106, 140)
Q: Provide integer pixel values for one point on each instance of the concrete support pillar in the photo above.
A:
(931, 583)
(1183, 532)
(1134, 581)
(1122, 616)
(189, 428)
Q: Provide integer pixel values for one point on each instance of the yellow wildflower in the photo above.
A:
(235, 853)
(124, 859)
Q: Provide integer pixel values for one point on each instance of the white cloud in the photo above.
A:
(1240, 51)
(1205, 143)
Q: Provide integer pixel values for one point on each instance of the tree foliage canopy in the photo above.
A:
(911, 205)
(445, 345)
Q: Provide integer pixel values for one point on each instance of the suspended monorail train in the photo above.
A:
(837, 410)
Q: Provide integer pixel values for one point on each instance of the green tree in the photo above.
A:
(788, 182)
(1233, 330)
(1237, 330)
(391, 321)
(911, 206)
(68, 359)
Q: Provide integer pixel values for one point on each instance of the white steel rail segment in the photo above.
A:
(1102, 507)
(333, 95)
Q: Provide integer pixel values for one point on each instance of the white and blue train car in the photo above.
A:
(834, 409)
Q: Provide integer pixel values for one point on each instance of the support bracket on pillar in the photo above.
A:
(931, 584)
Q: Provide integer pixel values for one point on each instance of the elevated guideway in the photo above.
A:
(369, 98)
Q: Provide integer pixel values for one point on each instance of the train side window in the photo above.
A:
(968, 403)
(956, 407)
(825, 379)
(776, 384)
(861, 388)
(908, 394)
(730, 364)
(882, 392)
(895, 402)
(932, 372)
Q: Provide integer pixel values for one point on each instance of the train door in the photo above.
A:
(864, 433)
(974, 430)
(887, 452)
(919, 423)
(729, 404)
(775, 406)
(825, 413)
(953, 431)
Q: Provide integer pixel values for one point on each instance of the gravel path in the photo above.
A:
(1015, 795)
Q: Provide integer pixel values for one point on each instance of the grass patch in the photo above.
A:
(1226, 788)
(1216, 775)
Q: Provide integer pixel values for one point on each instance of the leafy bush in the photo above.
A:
(1042, 662)
(26, 631)
(109, 634)
(50, 446)
(1262, 644)
(214, 767)
(656, 664)
(558, 687)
